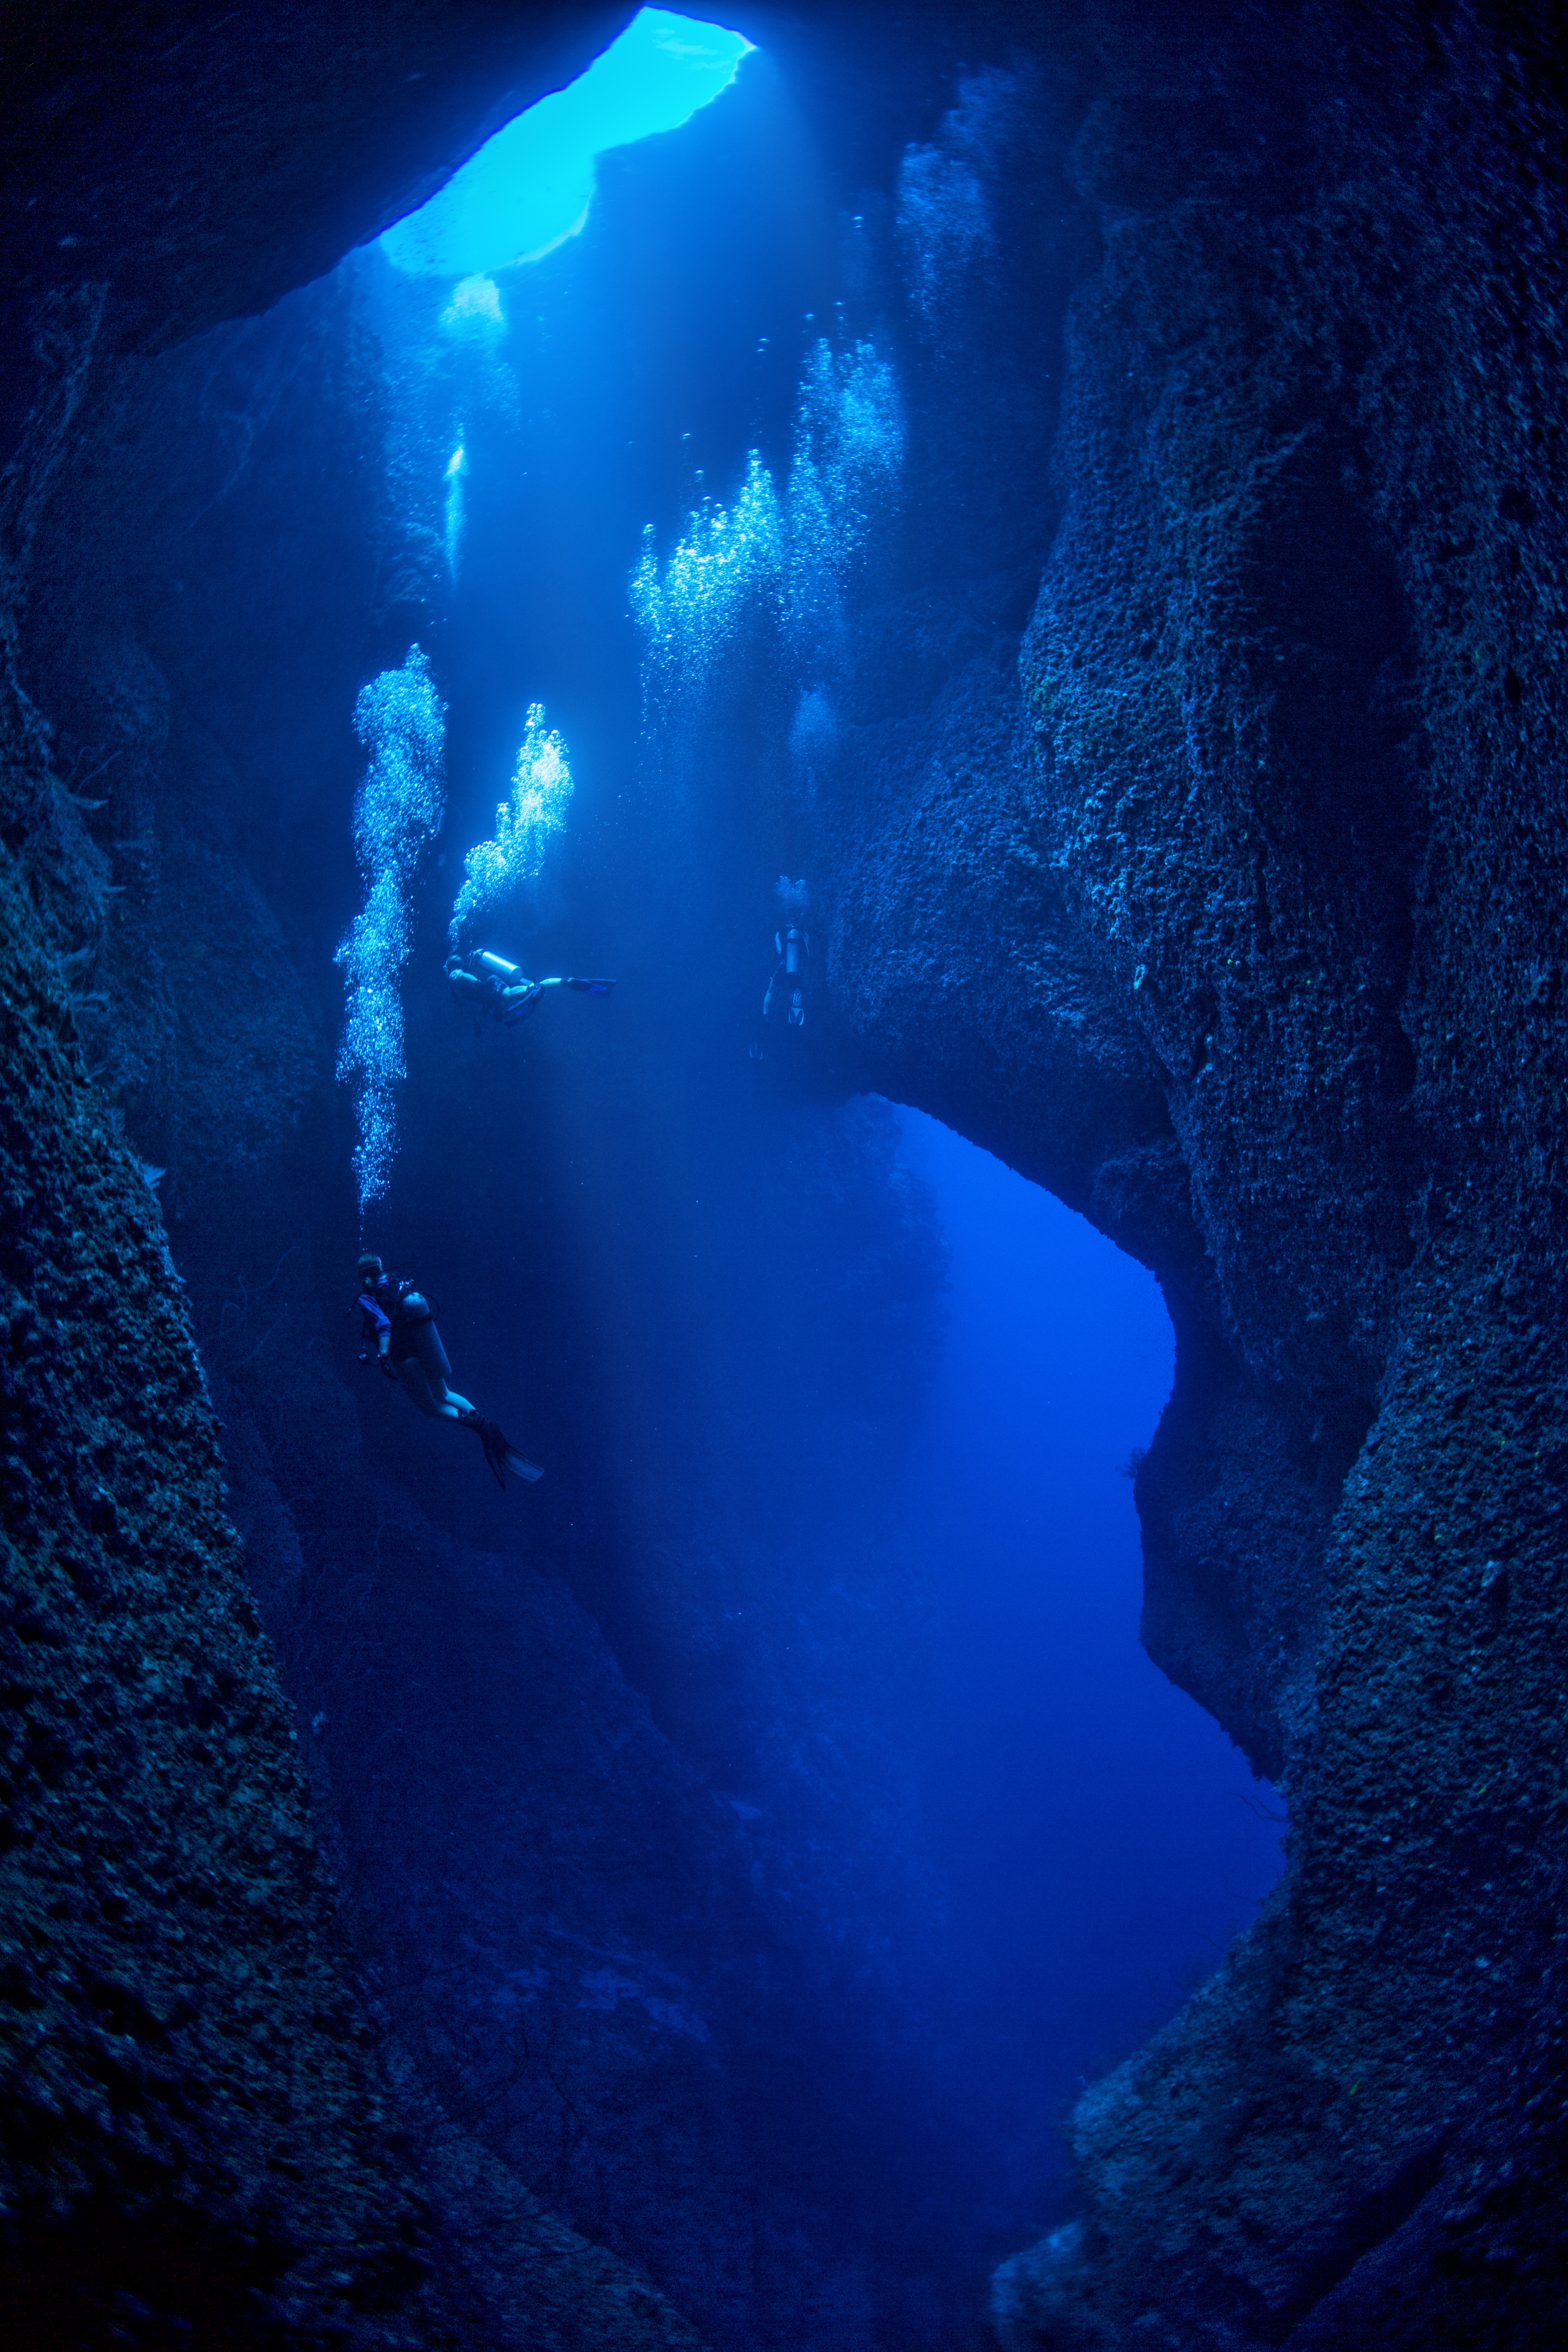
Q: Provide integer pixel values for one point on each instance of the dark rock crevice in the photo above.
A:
(174, 1989)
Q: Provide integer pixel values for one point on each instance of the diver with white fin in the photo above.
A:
(488, 986)
(397, 1328)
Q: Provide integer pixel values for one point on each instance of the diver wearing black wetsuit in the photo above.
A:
(787, 989)
(488, 984)
(397, 1325)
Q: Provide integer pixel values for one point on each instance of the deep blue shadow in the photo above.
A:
(1103, 1837)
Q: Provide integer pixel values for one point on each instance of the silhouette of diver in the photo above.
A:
(397, 1327)
(489, 984)
(787, 989)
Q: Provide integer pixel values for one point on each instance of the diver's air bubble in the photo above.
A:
(787, 557)
(945, 228)
(457, 468)
(541, 786)
(401, 722)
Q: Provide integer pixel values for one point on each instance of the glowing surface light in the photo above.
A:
(529, 188)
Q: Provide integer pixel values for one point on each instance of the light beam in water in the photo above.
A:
(531, 186)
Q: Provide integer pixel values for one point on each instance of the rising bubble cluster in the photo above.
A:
(400, 721)
(541, 787)
(944, 230)
(849, 447)
(790, 555)
(731, 560)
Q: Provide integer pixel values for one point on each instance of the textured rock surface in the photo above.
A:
(1233, 913)
(599, 1967)
(193, 2121)
(1244, 934)
(198, 177)
(199, 2141)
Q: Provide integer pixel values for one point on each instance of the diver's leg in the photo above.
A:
(446, 1403)
(435, 1375)
(417, 1389)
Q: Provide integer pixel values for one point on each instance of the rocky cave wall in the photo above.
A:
(201, 2136)
(212, 577)
(1241, 919)
(574, 1934)
(1237, 902)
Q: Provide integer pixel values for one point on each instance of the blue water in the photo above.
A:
(1103, 1837)
(878, 1588)
(531, 185)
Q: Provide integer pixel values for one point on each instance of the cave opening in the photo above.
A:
(530, 186)
(1005, 565)
(754, 1834)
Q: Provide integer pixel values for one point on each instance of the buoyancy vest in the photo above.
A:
(395, 1308)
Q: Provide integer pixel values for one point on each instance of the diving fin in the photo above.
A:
(501, 1454)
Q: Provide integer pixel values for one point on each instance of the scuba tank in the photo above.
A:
(794, 950)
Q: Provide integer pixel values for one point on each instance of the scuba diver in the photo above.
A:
(397, 1325)
(787, 989)
(489, 984)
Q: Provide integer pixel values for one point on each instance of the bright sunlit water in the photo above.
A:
(532, 183)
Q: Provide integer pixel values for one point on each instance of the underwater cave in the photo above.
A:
(847, 725)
